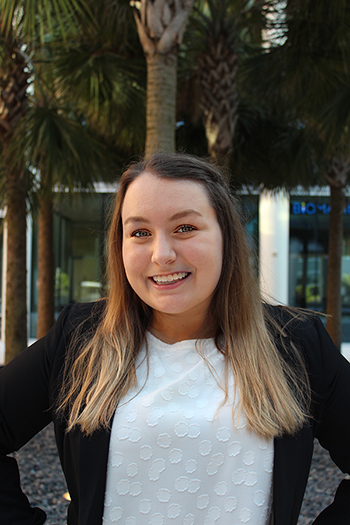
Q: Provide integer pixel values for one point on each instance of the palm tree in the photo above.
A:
(14, 81)
(217, 39)
(98, 71)
(101, 70)
(304, 69)
(61, 150)
(22, 24)
(161, 25)
(337, 177)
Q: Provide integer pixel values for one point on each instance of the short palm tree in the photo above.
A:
(64, 155)
(216, 41)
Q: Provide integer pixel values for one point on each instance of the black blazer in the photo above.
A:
(28, 390)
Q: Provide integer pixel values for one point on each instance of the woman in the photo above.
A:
(181, 398)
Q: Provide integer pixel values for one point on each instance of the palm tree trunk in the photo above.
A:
(16, 277)
(46, 267)
(219, 99)
(335, 250)
(161, 103)
(161, 26)
(13, 107)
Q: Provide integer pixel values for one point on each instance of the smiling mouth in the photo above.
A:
(170, 279)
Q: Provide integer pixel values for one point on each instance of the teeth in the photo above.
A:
(160, 279)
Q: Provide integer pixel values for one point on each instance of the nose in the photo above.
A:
(163, 250)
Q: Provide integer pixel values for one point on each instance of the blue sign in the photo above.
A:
(311, 208)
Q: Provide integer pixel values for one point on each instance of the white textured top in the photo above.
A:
(173, 458)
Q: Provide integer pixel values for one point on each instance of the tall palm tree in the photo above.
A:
(22, 24)
(14, 81)
(337, 176)
(100, 72)
(161, 25)
(59, 142)
(305, 69)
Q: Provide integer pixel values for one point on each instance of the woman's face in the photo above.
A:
(172, 245)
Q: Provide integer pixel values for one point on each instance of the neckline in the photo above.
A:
(179, 345)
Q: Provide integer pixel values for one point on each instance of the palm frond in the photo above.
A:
(33, 19)
(108, 88)
(274, 153)
(304, 67)
(60, 145)
(335, 115)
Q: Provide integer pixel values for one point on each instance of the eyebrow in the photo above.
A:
(176, 216)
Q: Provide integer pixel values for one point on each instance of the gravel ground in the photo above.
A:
(43, 482)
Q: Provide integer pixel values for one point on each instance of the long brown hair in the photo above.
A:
(273, 394)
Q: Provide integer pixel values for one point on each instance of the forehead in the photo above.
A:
(152, 192)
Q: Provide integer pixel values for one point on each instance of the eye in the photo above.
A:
(185, 228)
(140, 233)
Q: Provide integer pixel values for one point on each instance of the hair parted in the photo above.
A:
(273, 393)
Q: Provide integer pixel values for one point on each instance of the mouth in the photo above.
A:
(171, 278)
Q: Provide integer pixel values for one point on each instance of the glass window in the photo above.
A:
(308, 256)
(79, 246)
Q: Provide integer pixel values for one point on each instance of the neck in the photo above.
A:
(171, 328)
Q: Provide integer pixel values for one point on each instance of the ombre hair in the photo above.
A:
(273, 394)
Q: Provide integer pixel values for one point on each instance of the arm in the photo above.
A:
(25, 409)
(332, 425)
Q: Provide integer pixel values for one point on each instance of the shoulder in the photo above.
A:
(80, 315)
(76, 320)
(295, 323)
(299, 332)
(82, 311)
(303, 331)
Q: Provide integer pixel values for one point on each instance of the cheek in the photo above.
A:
(134, 262)
(210, 256)
(125, 258)
(208, 264)
(128, 262)
(216, 266)
(215, 260)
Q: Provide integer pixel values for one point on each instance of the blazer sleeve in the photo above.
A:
(330, 383)
(26, 407)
